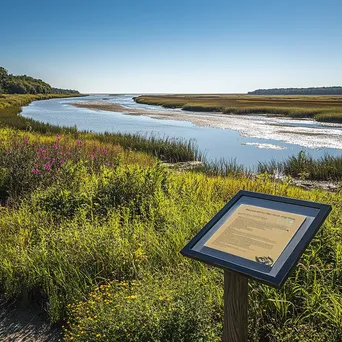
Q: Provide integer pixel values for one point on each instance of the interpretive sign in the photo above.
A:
(255, 236)
(260, 236)
(256, 233)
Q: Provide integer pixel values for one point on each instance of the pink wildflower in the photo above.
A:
(58, 137)
(79, 142)
(47, 166)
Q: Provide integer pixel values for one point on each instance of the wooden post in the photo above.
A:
(235, 325)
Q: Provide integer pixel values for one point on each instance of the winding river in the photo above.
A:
(248, 139)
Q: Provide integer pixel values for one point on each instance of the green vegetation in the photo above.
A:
(91, 214)
(223, 167)
(305, 167)
(298, 91)
(92, 231)
(165, 148)
(23, 84)
(320, 108)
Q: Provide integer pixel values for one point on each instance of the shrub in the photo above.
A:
(176, 307)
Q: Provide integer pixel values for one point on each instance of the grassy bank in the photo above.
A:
(91, 231)
(304, 166)
(163, 147)
(320, 108)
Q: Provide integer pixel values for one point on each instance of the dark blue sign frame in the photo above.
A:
(276, 274)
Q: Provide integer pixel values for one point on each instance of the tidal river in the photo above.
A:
(248, 139)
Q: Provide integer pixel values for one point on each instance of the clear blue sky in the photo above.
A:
(174, 46)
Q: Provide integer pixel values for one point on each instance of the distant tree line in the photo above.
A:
(298, 91)
(11, 84)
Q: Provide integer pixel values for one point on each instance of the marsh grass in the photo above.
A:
(223, 167)
(96, 242)
(321, 108)
(165, 148)
(304, 166)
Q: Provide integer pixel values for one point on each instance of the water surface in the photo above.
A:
(248, 139)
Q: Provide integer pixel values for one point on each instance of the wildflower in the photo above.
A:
(47, 166)
(26, 140)
(58, 137)
(79, 142)
(105, 150)
(131, 297)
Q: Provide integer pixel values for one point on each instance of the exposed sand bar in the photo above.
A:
(111, 107)
(276, 128)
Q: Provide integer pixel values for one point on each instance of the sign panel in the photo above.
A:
(258, 235)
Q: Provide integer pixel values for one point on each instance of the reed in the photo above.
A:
(321, 108)
(223, 167)
(165, 148)
(303, 166)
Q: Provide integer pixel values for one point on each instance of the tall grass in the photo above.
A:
(163, 147)
(304, 166)
(223, 167)
(92, 234)
(321, 108)
(96, 242)
(9, 100)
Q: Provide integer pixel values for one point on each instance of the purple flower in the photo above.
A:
(47, 166)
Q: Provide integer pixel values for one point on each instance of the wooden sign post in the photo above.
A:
(235, 325)
(255, 236)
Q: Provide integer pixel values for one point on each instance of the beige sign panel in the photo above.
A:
(256, 233)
